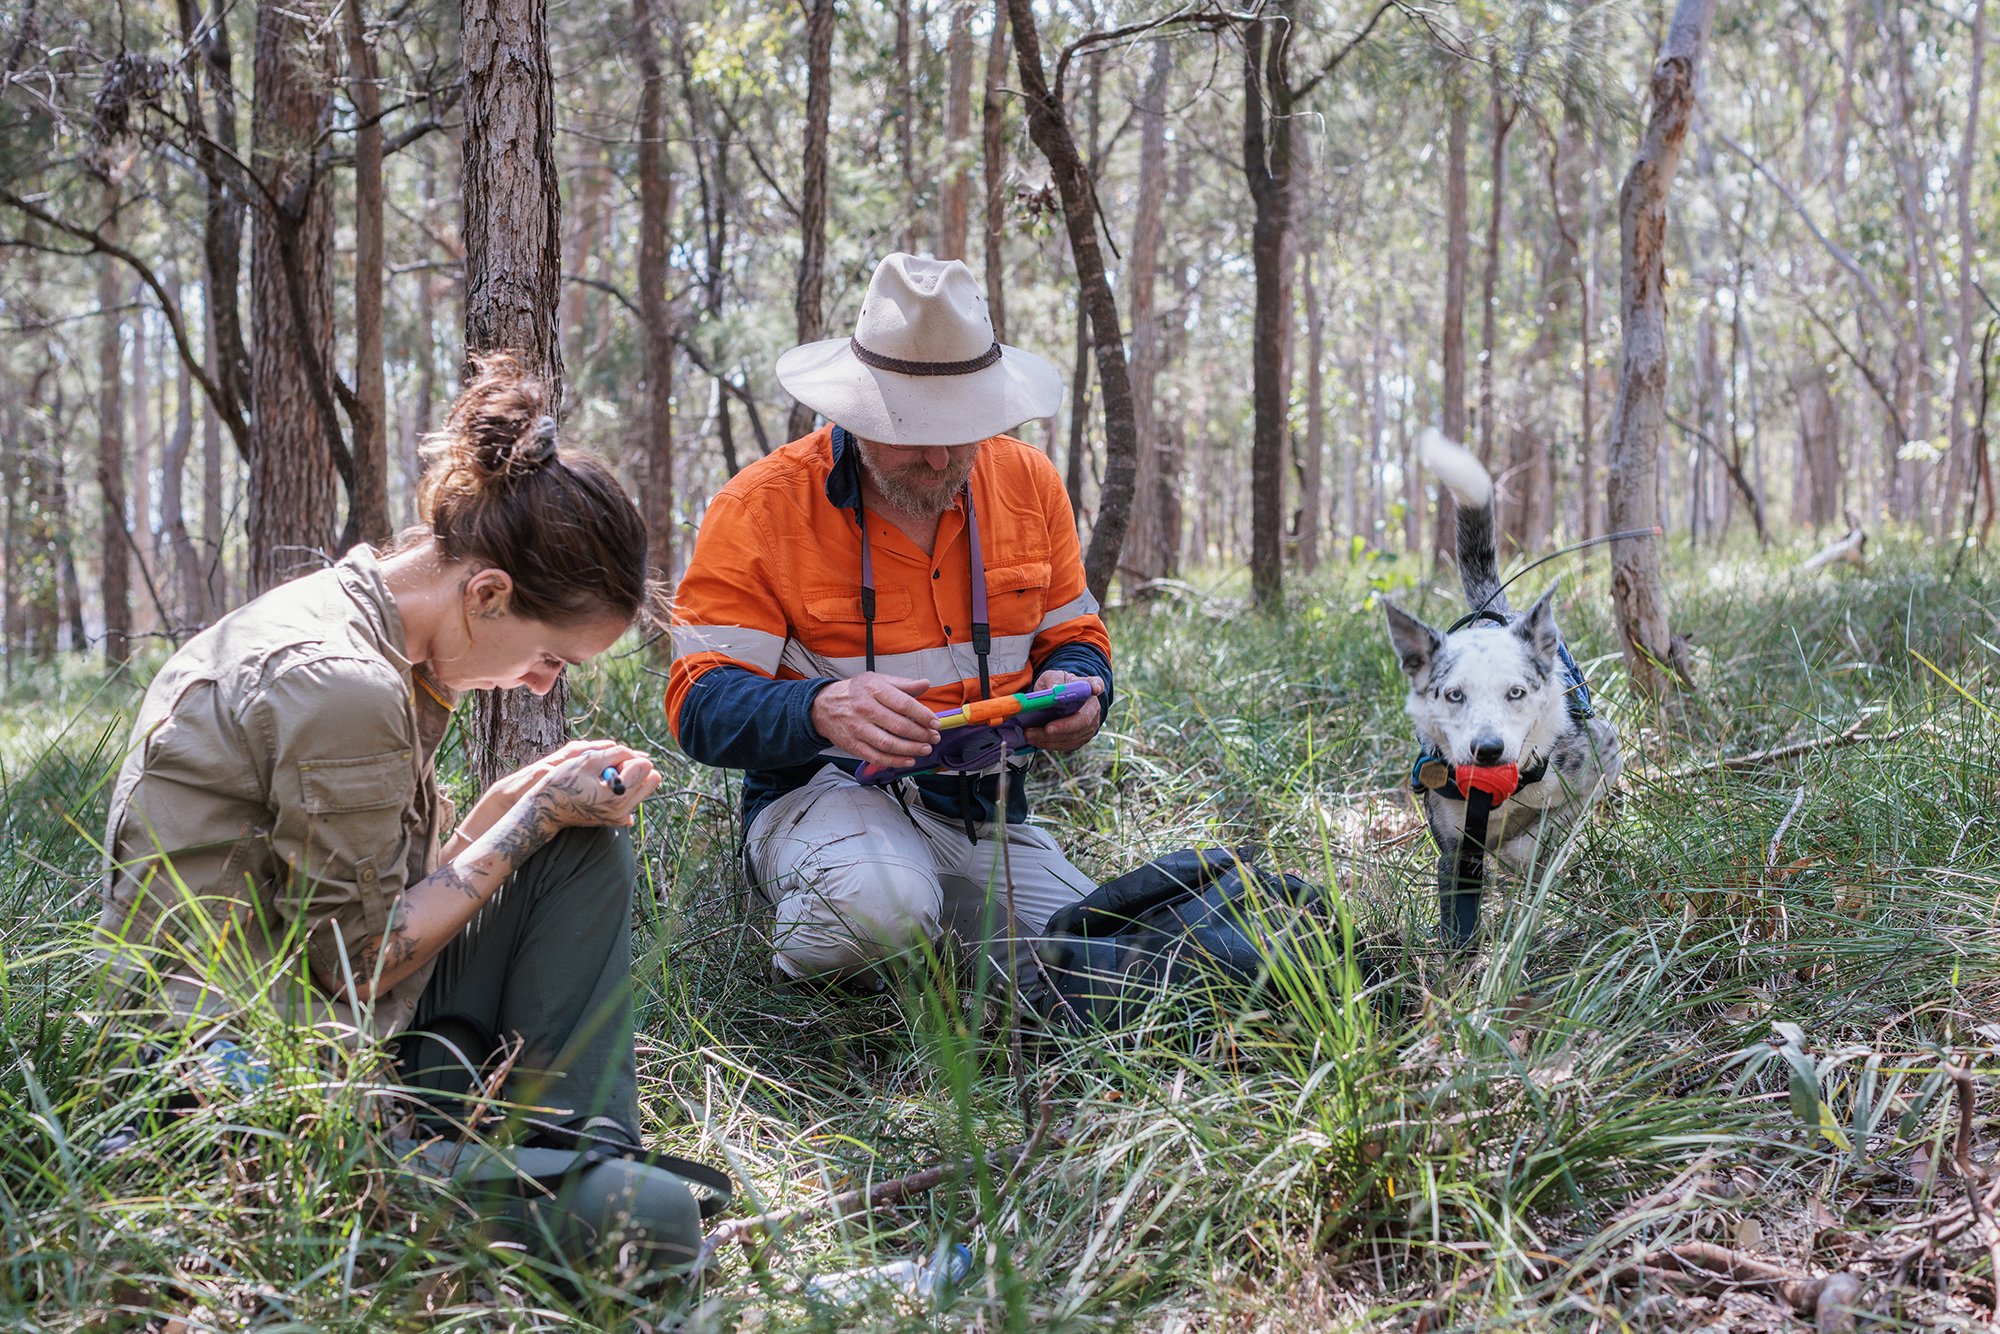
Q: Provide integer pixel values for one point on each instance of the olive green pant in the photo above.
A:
(547, 963)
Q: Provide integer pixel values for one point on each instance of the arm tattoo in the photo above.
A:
(450, 875)
(389, 951)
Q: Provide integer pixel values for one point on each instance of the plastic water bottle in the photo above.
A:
(926, 1276)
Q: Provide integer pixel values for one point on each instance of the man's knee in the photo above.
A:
(858, 915)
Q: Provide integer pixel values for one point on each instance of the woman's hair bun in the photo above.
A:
(499, 490)
(499, 428)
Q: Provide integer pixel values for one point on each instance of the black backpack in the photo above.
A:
(1204, 924)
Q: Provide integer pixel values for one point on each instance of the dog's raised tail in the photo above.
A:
(1472, 487)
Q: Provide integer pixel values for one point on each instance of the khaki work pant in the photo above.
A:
(857, 878)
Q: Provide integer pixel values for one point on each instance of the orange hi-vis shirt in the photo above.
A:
(769, 611)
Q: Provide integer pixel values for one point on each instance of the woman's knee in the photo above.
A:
(584, 863)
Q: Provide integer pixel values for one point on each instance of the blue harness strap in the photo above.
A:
(1578, 689)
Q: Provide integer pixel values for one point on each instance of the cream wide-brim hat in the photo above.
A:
(923, 367)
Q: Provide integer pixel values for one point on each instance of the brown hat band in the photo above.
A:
(876, 361)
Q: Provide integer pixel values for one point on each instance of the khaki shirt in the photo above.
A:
(276, 798)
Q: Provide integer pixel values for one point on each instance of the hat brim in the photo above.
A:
(895, 409)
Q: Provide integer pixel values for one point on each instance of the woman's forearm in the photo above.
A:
(436, 908)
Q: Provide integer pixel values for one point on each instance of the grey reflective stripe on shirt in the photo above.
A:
(940, 666)
(753, 648)
(944, 665)
(1081, 605)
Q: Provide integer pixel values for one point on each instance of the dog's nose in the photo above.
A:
(1488, 750)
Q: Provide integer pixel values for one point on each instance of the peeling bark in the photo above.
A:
(1655, 661)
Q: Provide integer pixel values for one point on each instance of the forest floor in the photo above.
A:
(1709, 1063)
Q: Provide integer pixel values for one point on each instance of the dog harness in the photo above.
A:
(1482, 788)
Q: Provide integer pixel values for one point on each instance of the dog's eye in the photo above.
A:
(1518, 692)
(1454, 696)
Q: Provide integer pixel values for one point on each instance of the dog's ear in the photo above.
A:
(1538, 628)
(1415, 643)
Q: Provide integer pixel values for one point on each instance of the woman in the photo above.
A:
(274, 853)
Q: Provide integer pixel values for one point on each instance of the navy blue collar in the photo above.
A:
(843, 483)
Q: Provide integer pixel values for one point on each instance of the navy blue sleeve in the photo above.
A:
(1082, 659)
(737, 719)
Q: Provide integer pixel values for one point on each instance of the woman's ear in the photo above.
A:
(488, 592)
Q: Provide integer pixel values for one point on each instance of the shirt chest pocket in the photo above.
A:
(837, 613)
(1016, 596)
(369, 783)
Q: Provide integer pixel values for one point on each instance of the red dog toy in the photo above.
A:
(1497, 781)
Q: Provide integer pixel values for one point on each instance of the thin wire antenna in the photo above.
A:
(1626, 535)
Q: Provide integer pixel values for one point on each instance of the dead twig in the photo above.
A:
(1716, 1270)
(1853, 736)
(1778, 838)
(1966, 1092)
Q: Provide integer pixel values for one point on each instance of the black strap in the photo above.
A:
(593, 1148)
(1459, 910)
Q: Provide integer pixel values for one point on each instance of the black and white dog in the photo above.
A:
(1512, 752)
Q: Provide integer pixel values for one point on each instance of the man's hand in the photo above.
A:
(877, 718)
(1071, 733)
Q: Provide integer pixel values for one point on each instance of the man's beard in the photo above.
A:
(914, 488)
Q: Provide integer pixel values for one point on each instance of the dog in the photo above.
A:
(1496, 691)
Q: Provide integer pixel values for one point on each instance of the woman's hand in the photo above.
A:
(574, 791)
(507, 792)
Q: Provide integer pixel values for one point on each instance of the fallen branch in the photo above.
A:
(1853, 736)
(1716, 1270)
(1851, 549)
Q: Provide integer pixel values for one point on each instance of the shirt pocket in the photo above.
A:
(1016, 596)
(842, 606)
(368, 783)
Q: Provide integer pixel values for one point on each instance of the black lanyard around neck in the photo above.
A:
(982, 630)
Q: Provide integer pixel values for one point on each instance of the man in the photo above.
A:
(834, 604)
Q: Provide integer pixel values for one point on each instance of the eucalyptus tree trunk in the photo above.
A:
(906, 115)
(370, 408)
(1965, 468)
(1048, 125)
(186, 605)
(1313, 472)
(807, 304)
(1171, 408)
(1267, 163)
(1527, 508)
(955, 201)
(656, 202)
(214, 571)
(112, 533)
(1504, 113)
(513, 283)
(214, 121)
(1655, 660)
(993, 144)
(1451, 406)
(294, 498)
(1143, 264)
